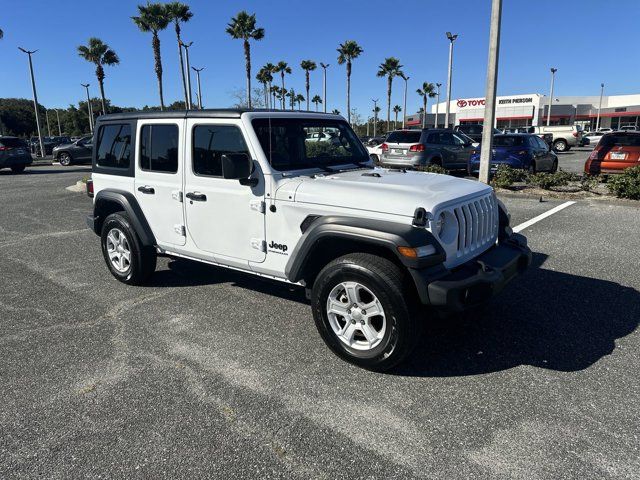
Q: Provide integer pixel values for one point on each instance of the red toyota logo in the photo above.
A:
(462, 103)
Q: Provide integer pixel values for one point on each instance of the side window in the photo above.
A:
(542, 143)
(457, 140)
(432, 138)
(114, 146)
(446, 139)
(159, 148)
(210, 142)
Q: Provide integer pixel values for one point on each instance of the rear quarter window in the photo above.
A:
(114, 146)
(12, 142)
(620, 141)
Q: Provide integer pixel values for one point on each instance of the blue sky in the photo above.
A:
(588, 41)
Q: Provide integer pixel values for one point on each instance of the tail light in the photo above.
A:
(595, 155)
(576, 134)
(5, 149)
(384, 147)
(90, 188)
(418, 147)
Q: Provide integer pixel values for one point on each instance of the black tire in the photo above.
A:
(375, 158)
(65, 159)
(554, 167)
(435, 161)
(560, 145)
(18, 168)
(532, 168)
(142, 258)
(391, 287)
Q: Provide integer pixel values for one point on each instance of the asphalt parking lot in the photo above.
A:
(573, 160)
(211, 373)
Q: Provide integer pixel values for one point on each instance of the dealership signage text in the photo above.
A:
(479, 102)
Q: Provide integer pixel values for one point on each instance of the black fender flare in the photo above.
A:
(130, 205)
(382, 233)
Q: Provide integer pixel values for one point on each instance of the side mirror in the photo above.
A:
(238, 166)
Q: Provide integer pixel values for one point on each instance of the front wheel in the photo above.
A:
(560, 146)
(64, 159)
(128, 260)
(554, 167)
(364, 310)
(18, 168)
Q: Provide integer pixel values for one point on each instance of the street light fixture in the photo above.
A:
(404, 111)
(35, 97)
(452, 38)
(553, 77)
(599, 107)
(437, 105)
(89, 107)
(324, 84)
(186, 49)
(198, 70)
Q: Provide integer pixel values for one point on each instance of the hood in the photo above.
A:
(380, 190)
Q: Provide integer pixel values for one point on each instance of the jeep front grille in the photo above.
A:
(477, 224)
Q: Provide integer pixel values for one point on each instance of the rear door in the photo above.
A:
(224, 218)
(159, 177)
(84, 150)
(400, 142)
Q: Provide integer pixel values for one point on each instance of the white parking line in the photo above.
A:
(542, 216)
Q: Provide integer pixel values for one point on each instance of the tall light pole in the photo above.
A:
(35, 97)
(452, 38)
(486, 151)
(553, 78)
(188, 75)
(198, 70)
(437, 105)
(404, 111)
(89, 108)
(324, 84)
(59, 128)
(46, 114)
(375, 115)
(599, 107)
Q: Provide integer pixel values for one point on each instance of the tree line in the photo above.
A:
(152, 18)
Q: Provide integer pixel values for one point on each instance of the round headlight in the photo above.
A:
(440, 221)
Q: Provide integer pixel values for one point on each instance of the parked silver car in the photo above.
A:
(77, 152)
(413, 148)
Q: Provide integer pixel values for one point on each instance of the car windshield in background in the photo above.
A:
(12, 142)
(404, 137)
(308, 143)
(621, 141)
(507, 141)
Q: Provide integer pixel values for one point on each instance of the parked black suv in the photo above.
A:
(14, 154)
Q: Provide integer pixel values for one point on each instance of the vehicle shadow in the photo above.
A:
(188, 273)
(544, 318)
(44, 171)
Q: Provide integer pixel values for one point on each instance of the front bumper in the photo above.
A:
(476, 281)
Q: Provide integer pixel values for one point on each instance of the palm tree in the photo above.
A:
(397, 109)
(390, 68)
(243, 27)
(99, 53)
(1, 34)
(428, 90)
(179, 12)
(307, 66)
(299, 100)
(282, 68)
(292, 97)
(335, 111)
(317, 99)
(153, 17)
(264, 77)
(347, 52)
(275, 92)
(270, 68)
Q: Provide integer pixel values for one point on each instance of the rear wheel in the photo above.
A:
(554, 166)
(127, 259)
(375, 158)
(532, 167)
(18, 168)
(560, 145)
(365, 311)
(64, 159)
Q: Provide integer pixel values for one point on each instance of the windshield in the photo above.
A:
(404, 136)
(297, 143)
(507, 141)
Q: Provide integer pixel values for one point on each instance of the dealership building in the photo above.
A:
(531, 110)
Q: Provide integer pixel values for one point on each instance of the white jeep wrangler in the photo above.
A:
(257, 191)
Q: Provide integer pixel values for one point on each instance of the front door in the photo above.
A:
(224, 218)
(159, 170)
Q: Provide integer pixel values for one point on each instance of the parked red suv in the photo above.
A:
(614, 152)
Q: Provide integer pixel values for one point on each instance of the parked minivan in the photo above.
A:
(434, 146)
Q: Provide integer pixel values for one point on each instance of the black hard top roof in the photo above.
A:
(205, 113)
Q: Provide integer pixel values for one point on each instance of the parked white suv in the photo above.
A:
(564, 136)
(253, 191)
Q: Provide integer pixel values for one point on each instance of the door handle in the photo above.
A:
(147, 190)
(196, 197)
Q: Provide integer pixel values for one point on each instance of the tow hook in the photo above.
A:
(485, 268)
